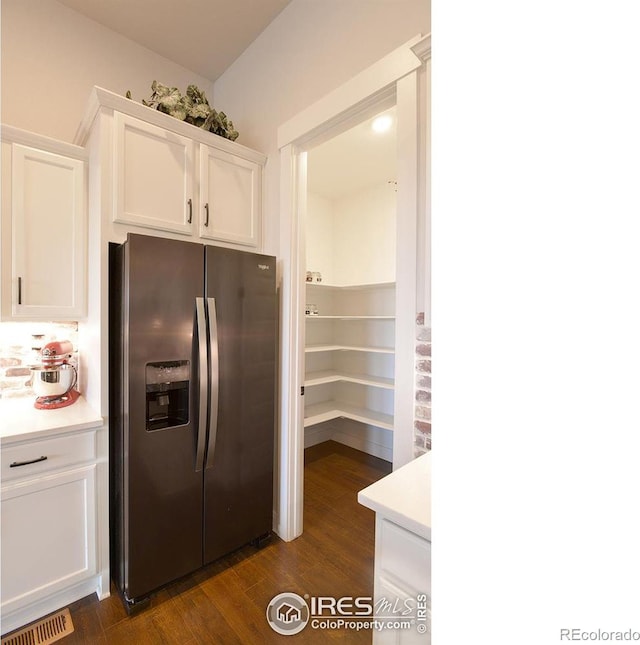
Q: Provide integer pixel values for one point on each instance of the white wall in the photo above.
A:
(312, 47)
(52, 56)
(319, 237)
(352, 240)
(364, 228)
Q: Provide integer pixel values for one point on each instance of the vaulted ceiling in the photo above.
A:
(205, 36)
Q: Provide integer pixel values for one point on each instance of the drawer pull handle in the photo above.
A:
(17, 464)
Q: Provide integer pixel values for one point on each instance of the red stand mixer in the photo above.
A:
(53, 383)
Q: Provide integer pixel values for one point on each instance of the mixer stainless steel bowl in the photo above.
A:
(51, 382)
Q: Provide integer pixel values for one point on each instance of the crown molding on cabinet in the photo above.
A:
(101, 98)
(12, 134)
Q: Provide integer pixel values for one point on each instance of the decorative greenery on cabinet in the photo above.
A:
(192, 107)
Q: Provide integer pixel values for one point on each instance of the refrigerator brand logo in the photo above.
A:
(264, 267)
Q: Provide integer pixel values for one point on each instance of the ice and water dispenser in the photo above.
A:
(167, 394)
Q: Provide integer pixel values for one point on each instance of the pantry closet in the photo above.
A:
(396, 81)
(350, 299)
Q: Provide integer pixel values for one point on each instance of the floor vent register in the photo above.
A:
(45, 631)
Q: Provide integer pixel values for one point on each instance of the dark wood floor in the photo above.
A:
(226, 601)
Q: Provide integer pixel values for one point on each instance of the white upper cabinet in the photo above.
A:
(154, 176)
(44, 234)
(230, 189)
(157, 175)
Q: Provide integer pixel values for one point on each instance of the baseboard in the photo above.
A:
(21, 617)
(374, 441)
(318, 434)
(331, 447)
(363, 444)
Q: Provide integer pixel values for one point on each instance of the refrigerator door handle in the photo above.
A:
(203, 383)
(214, 376)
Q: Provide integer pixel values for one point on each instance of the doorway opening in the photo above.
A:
(393, 81)
(350, 279)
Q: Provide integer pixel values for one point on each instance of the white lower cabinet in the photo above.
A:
(402, 567)
(49, 527)
(402, 584)
(48, 535)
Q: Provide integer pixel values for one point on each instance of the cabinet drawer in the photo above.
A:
(403, 556)
(60, 451)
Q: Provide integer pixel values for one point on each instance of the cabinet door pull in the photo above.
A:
(17, 464)
(206, 210)
(190, 210)
(19, 290)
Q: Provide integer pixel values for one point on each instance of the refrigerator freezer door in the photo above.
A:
(238, 478)
(162, 488)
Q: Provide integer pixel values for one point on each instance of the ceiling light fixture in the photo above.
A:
(381, 123)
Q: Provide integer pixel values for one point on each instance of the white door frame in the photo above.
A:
(393, 79)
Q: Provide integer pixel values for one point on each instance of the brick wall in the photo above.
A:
(422, 417)
(20, 345)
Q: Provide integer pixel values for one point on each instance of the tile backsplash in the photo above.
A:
(20, 345)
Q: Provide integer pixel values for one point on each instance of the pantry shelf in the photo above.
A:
(349, 356)
(328, 410)
(330, 376)
(349, 287)
(315, 317)
(310, 349)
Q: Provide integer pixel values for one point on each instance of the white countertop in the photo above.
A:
(404, 496)
(19, 420)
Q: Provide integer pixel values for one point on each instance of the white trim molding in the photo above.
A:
(422, 49)
(393, 80)
(289, 465)
(12, 134)
(372, 85)
(406, 267)
(101, 98)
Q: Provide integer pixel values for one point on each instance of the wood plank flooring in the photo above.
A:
(226, 601)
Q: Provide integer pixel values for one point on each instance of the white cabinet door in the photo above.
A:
(48, 536)
(398, 629)
(48, 236)
(230, 197)
(154, 176)
(402, 580)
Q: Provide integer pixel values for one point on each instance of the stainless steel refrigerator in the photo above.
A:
(192, 383)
